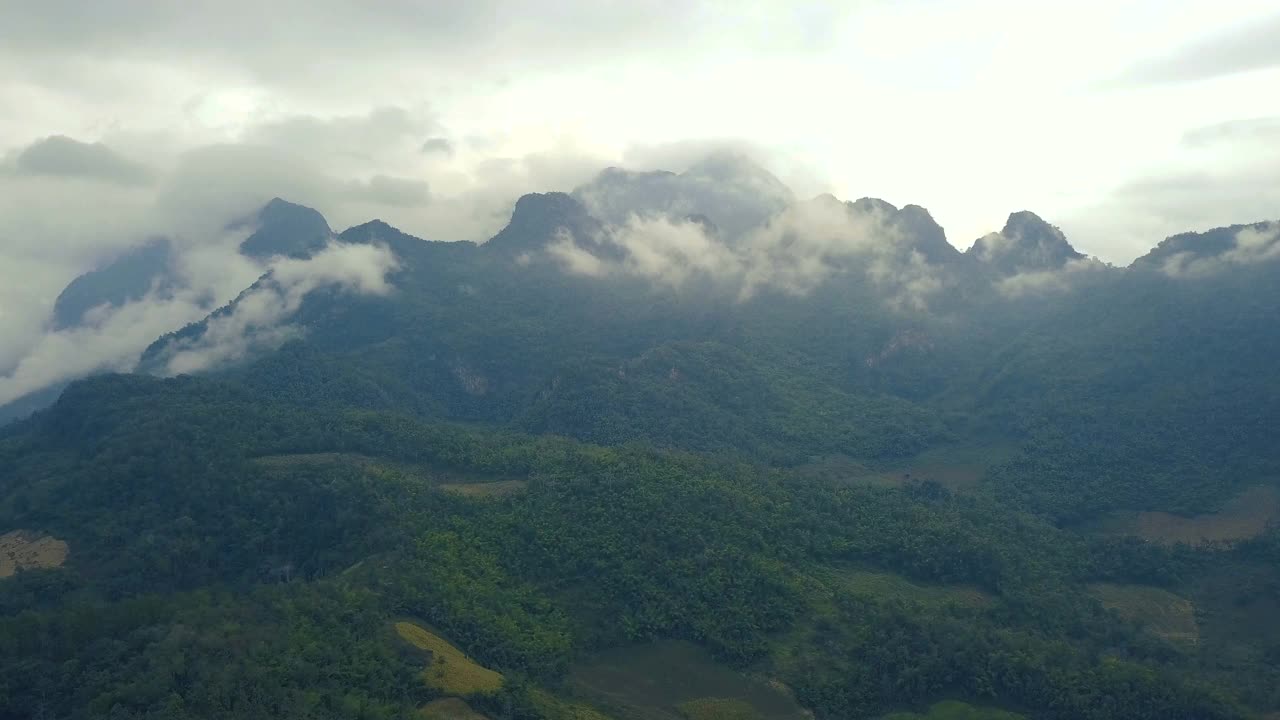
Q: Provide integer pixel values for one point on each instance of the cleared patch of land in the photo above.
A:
(496, 488)
(446, 480)
(718, 709)
(1237, 604)
(449, 709)
(315, 459)
(450, 670)
(957, 467)
(663, 680)
(549, 705)
(23, 550)
(888, 586)
(1167, 616)
(956, 710)
(1245, 516)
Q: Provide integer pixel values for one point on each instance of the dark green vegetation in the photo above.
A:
(203, 578)
(955, 710)
(818, 500)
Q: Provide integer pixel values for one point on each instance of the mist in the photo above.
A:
(793, 251)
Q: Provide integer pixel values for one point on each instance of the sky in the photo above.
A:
(1121, 121)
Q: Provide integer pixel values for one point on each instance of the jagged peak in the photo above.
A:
(286, 228)
(871, 204)
(278, 203)
(1027, 224)
(128, 276)
(1026, 243)
(917, 212)
(537, 217)
(373, 227)
(530, 202)
(828, 201)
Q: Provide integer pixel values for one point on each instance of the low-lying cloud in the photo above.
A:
(111, 338)
(1251, 245)
(1044, 282)
(258, 318)
(206, 273)
(794, 252)
(733, 191)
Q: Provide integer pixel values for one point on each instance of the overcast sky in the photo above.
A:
(1121, 121)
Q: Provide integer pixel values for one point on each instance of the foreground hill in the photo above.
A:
(231, 557)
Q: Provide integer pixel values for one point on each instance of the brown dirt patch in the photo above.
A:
(24, 550)
(1245, 516)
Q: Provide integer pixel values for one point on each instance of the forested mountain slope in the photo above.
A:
(667, 420)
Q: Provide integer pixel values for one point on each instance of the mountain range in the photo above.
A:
(761, 232)
(810, 439)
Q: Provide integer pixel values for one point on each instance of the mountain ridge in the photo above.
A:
(1028, 249)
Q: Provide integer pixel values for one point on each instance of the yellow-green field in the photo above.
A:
(22, 550)
(449, 481)
(888, 586)
(956, 710)
(496, 488)
(1167, 616)
(450, 670)
(958, 467)
(1245, 516)
(449, 709)
(718, 709)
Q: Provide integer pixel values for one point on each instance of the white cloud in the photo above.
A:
(1249, 246)
(112, 338)
(209, 272)
(1255, 244)
(258, 318)
(793, 252)
(1042, 282)
(673, 252)
(575, 259)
